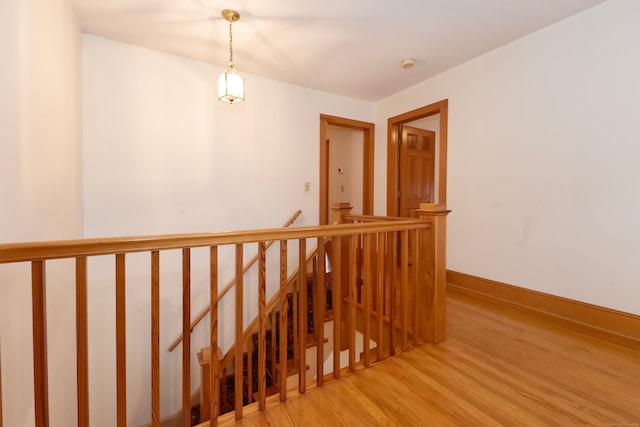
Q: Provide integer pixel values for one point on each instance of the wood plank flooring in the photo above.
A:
(499, 366)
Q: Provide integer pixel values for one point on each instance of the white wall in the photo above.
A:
(163, 155)
(40, 192)
(544, 158)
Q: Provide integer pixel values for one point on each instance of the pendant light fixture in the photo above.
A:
(230, 84)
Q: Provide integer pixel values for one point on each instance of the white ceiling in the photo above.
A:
(347, 47)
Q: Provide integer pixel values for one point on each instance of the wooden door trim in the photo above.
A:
(367, 164)
(393, 128)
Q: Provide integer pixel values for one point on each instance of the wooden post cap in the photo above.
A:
(341, 205)
(433, 207)
(204, 356)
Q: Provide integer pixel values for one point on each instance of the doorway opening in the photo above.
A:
(331, 125)
(398, 168)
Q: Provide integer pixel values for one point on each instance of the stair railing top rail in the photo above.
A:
(371, 218)
(59, 249)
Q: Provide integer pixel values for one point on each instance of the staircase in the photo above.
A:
(250, 357)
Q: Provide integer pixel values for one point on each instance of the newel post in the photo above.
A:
(338, 211)
(433, 272)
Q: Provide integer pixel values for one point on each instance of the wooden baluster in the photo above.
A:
(320, 302)
(40, 373)
(392, 280)
(295, 325)
(1, 385)
(224, 386)
(314, 287)
(239, 330)
(155, 339)
(367, 298)
(336, 302)
(359, 267)
(186, 337)
(404, 303)
(273, 320)
(262, 339)
(82, 352)
(353, 293)
(302, 306)
(415, 328)
(250, 370)
(284, 308)
(386, 285)
(380, 294)
(341, 279)
(213, 328)
(121, 341)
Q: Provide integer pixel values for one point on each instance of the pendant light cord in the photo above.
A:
(230, 43)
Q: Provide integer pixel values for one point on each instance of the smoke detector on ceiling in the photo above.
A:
(408, 63)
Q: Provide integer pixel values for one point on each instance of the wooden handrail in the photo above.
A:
(230, 285)
(372, 218)
(59, 249)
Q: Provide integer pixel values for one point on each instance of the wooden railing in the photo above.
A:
(397, 317)
(379, 265)
(383, 303)
(275, 303)
(230, 285)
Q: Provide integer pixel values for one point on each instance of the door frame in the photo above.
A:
(367, 163)
(393, 129)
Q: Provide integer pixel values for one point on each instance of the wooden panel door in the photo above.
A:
(417, 169)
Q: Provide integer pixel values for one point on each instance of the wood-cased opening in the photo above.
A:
(367, 178)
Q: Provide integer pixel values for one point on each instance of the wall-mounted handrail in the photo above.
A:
(230, 285)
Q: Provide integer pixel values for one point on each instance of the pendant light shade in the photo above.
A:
(230, 84)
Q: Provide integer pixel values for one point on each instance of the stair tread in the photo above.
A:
(292, 369)
(311, 342)
(268, 392)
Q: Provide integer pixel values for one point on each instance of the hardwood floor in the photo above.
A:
(499, 366)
